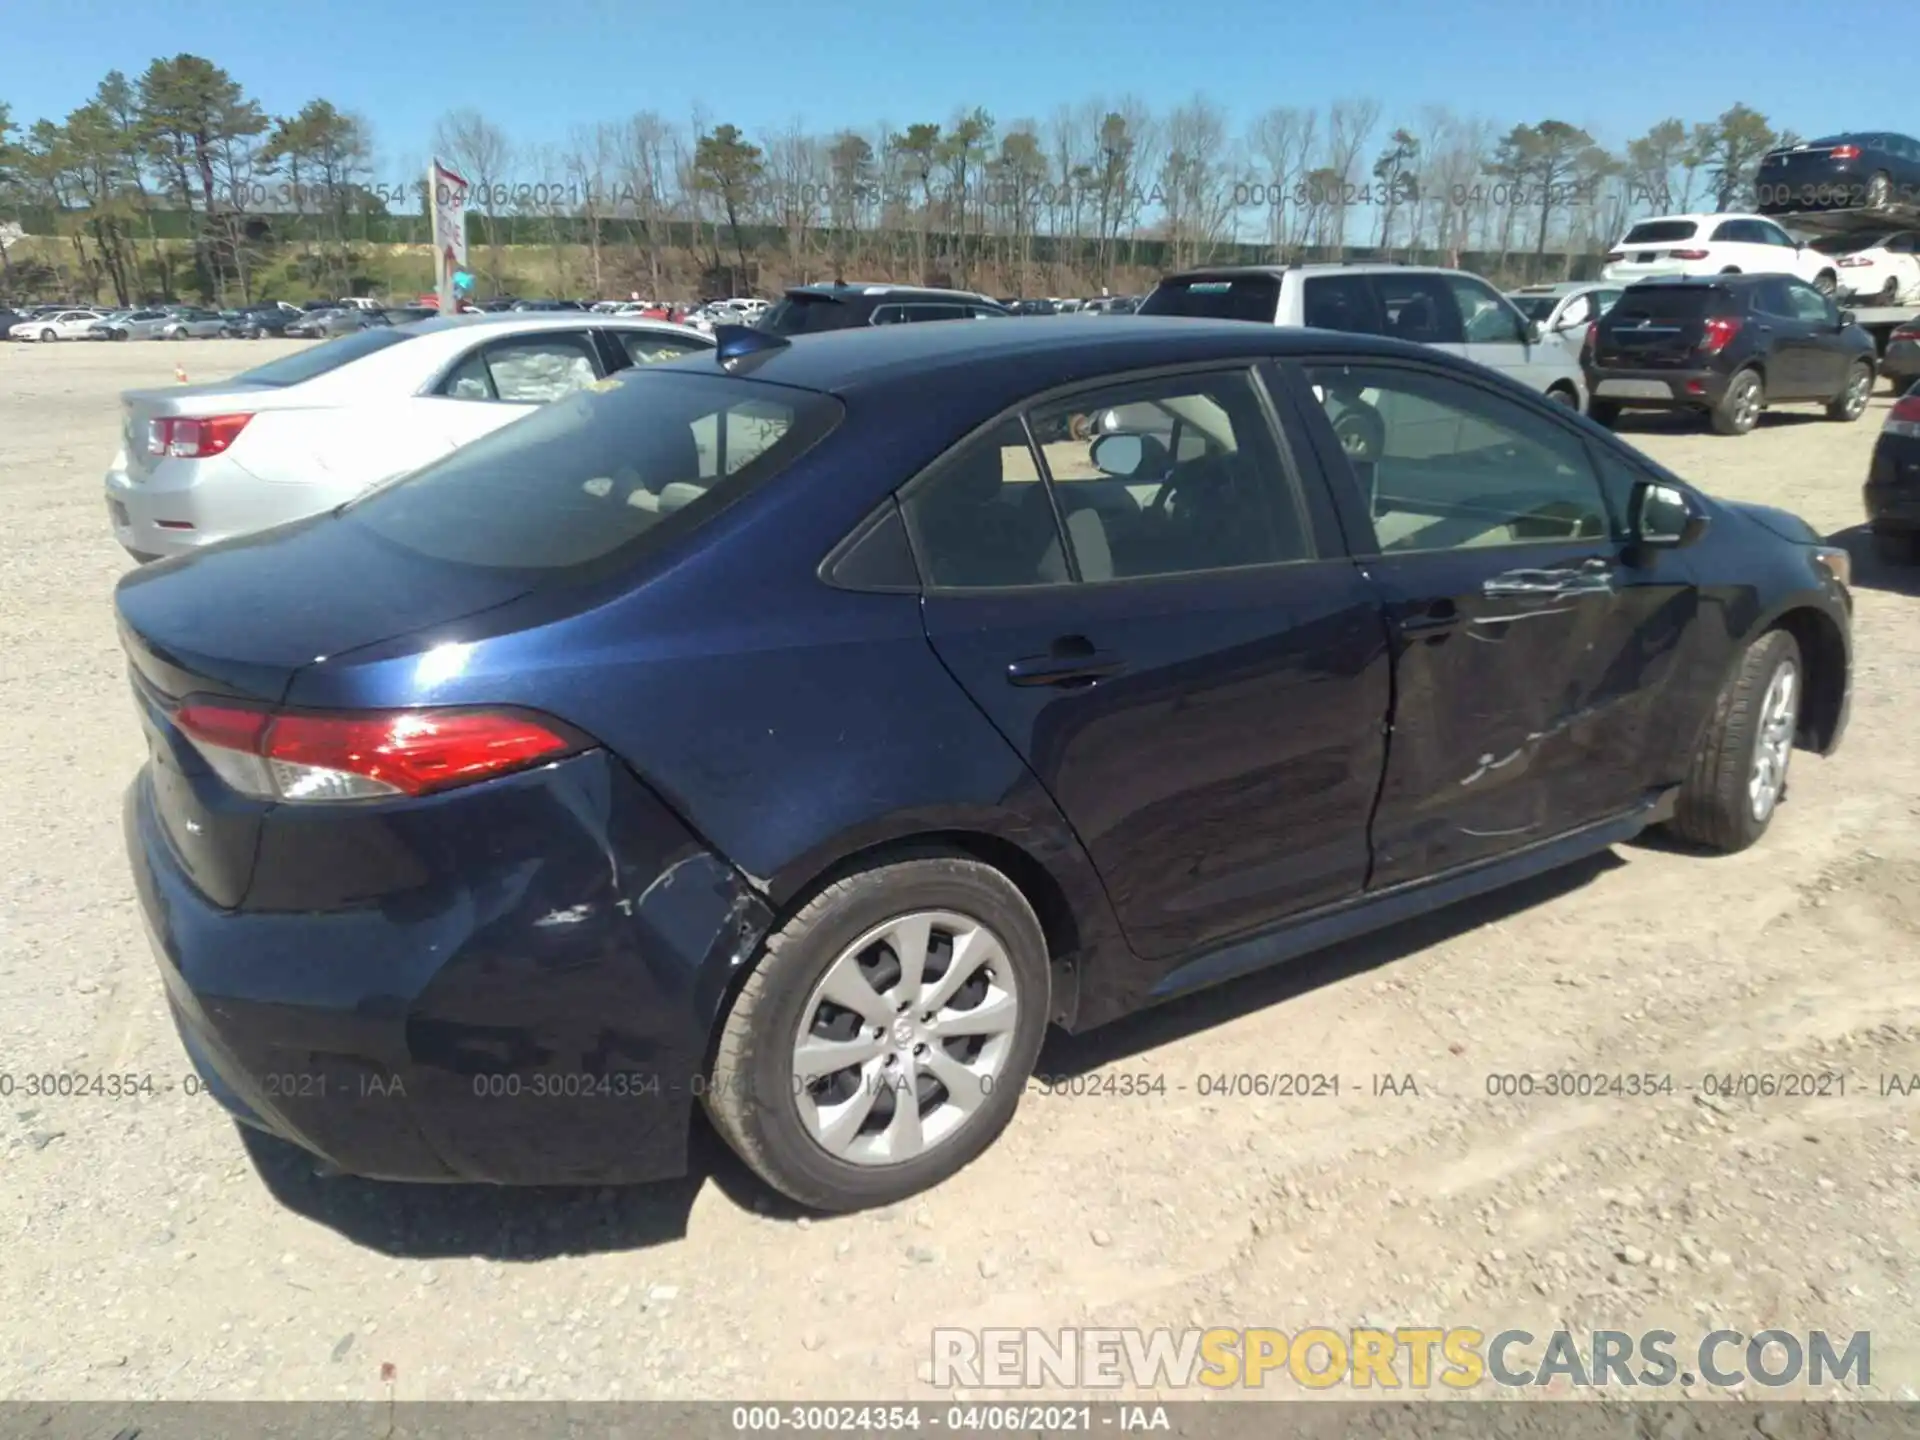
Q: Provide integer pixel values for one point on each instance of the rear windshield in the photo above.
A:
(1661, 302)
(649, 455)
(1653, 232)
(1245, 297)
(810, 314)
(309, 364)
(1848, 244)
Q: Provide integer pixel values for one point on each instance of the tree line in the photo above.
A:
(179, 182)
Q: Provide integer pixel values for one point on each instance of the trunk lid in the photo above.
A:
(241, 620)
(1654, 327)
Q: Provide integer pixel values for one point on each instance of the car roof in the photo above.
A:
(1564, 287)
(926, 292)
(542, 320)
(1700, 218)
(995, 366)
(1316, 267)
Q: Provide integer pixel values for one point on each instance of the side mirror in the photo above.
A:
(1846, 318)
(1663, 518)
(1121, 456)
(1534, 333)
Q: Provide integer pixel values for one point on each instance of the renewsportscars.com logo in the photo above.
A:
(1405, 1358)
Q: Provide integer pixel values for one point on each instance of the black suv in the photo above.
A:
(1729, 345)
(809, 309)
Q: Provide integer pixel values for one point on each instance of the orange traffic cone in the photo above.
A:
(180, 374)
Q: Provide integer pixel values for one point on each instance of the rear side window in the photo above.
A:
(525, 369)
(810, 314)
(1342, 302)
(1660, 232)
(909, 314)
(1419, 308)
(1244, 297)
(324, 358)
(600, 473)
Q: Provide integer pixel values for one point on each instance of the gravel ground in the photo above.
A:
(150, 1255)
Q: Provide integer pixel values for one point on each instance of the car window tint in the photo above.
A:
(1484, 317)
(595, 473)
(644, 348)
(1418, 308)
(1243, 297)
(1770, 234)
(1171, 476)
(1446, 465)
(981, 517)
(1770, 296)
(1810, 305)
(1341, 302)
(538, 369)
(469, 380)
(1660, 232)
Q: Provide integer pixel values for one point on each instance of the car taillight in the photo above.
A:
(1845, 152)
(1905, 417)
(1613, 255)
(1909, 331)
(1720, 330)
(1846, 260)
(194, 438)
(362, 755)
(1688, 254)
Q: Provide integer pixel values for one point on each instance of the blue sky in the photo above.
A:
(539, 68)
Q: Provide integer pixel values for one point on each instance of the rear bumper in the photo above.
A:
(184, 505)
(1902, 359)
(1892, 493)
(527, 999)
(1690, 389)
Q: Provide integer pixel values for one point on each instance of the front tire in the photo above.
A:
(1739, 409)
(881, 1042)
(1851, 402)
(1565, 396)
(47, 337)
(1739, 774)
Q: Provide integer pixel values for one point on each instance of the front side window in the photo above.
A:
(1446, 465)
(525, 370)
(1484, 316)
(1809, 305)
(1419, 308)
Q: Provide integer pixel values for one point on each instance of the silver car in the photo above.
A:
(193, 325)
(135, 325)
(1447, 309)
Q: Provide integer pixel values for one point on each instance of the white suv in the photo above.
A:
(1716, 245)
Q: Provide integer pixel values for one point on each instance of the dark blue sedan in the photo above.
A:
(799, 729)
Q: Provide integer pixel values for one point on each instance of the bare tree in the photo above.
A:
(644, 154)
(1350, 126)
(1279, 140)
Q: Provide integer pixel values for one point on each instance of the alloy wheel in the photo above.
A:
(1773, 747)
(904, 1037)
(1859, 383)
(1746, 404)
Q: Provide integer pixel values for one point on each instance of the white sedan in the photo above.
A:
(62, 325)
(309, 431)
(1878, 267)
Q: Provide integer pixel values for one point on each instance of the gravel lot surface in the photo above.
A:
(147, 1254)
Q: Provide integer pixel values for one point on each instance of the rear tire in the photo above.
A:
(1739, 774)
(48, 336)
(1851, 403)
(1739, 409)
(1604, 412)
(833, 1158)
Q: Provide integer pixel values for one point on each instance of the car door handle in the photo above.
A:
(1079, 667)
(1512, 586)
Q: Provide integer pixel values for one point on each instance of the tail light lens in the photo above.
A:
(1688, 254)
(1905, 417)
(194, 438)
(1846, 152)
(1720, 330)
(1908, 331)
(363, 755)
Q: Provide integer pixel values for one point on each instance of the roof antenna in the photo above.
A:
(735, 343)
